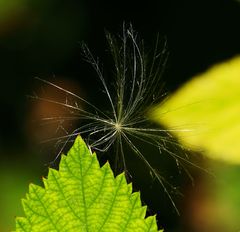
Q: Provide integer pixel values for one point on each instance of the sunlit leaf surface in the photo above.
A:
(81, 196)
(207, 108)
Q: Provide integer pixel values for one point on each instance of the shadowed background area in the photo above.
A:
(43, 38)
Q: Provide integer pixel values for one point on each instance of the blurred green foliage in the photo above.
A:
(228, 195)
(14, 180)
(9, 8)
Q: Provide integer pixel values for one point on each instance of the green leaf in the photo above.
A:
(207, 109)
(82, 196)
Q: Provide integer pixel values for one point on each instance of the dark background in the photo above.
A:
(42, 38)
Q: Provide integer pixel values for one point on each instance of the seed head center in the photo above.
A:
(118, 126)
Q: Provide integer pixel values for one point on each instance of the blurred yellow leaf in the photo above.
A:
(207, 108)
